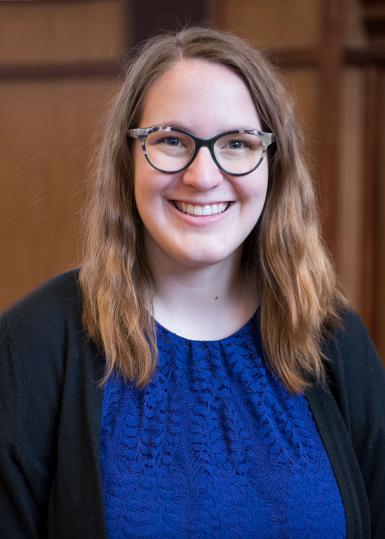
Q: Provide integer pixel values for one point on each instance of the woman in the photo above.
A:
(201, 376)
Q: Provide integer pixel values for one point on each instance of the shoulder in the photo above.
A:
(349, 348)
(351, 332)
(40, 332)
(356, 379)
(46, 308)
(355, 372)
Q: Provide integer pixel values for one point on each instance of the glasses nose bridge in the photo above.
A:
(204, 143)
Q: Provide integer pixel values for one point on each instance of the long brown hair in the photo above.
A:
(296, 280)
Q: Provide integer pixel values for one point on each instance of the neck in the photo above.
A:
(206, 302)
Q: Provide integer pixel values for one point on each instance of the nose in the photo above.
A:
(203, 173)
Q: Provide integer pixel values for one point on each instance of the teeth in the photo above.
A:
(196, 209)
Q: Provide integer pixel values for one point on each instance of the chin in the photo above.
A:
(202, 259)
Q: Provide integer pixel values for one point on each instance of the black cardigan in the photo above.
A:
(50, 406)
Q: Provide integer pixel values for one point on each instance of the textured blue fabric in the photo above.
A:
(215, 447)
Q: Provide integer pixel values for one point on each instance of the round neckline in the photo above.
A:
(252, 320)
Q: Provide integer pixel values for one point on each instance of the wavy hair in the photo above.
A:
(299, 297)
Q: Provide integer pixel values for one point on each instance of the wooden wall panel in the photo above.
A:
(47, 123)
(379, 318)
(273, 23)
(60, 32)
(45, 137)
(303, 86)
(355, 35)
(350, 188)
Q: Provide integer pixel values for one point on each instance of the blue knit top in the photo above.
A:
(215, 447)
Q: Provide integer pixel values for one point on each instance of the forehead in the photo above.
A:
(203, 96)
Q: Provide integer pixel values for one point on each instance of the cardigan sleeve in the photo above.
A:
(50, 404)
(358, 384)
(21, 495)
(32, 344)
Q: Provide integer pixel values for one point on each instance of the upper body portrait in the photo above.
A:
(201, 374)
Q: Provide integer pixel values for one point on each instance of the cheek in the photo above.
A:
(252, 195)
(144, 181)
(253, 190)
(150, 191)
(142, 192)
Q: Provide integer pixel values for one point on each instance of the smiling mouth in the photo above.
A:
(198, 210)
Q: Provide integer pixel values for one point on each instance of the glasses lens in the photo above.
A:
(169, 150)
(238, 153)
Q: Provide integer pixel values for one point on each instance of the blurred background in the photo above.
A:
(61, 63)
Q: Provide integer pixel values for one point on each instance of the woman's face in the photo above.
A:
(206, 99)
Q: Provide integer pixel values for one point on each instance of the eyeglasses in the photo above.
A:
(171, 150)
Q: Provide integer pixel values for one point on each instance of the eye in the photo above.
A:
(170, 140)
(237, 144)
